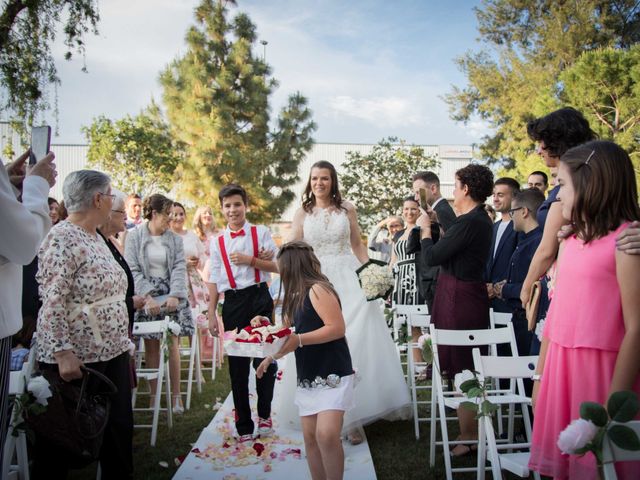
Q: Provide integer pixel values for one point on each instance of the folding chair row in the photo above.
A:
(441, 399)
(160, 375)
(16, 446)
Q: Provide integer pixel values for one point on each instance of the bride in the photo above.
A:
(330, 226)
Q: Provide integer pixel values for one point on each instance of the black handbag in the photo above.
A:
(76, 416)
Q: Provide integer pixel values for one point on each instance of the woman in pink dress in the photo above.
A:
(591, 342)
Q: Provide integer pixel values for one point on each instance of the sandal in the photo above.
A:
(464, 451)
(355, 437)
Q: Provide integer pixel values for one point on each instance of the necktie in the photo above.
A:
(239, 233)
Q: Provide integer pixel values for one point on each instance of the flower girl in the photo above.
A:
(325, 374)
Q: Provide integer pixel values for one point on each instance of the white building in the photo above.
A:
(452, 157)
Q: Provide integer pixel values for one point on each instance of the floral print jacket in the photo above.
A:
(83, 297)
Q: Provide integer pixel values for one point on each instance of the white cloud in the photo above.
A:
(381, 111)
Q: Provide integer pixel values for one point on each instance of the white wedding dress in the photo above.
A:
(381, 390)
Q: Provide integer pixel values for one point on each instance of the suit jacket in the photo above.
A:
(497, 268)
(446, 215)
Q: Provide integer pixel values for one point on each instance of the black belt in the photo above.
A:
(406, 262)
(244, 291)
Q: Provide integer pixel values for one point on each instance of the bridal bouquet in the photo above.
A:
(376, 279)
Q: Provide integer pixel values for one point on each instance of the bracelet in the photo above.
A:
(253, 261)
(300, 340)
(536, 377)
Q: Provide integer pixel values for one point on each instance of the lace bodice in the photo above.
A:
(328, 232)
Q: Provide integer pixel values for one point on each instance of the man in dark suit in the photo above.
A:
(504, 242)
(443, 217)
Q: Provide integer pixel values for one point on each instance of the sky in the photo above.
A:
(369, 68)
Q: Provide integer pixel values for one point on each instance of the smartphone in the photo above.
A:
(423, 199)
(40, 143)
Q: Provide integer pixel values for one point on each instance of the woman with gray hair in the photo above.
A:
(83, 319)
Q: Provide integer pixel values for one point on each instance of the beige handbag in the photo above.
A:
(532, 307)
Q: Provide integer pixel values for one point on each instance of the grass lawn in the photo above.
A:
(395, 451)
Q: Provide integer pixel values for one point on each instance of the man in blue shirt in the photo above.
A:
(523, 210)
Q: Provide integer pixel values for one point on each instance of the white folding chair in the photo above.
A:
(440, 399)
(612, 453)
(416, 316)
(194, 365)
(515, 369)
(17, 445)
(160, 374)
(499, 319)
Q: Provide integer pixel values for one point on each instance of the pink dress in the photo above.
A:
(585, 329)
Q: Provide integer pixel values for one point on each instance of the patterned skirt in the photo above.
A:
(182, 316)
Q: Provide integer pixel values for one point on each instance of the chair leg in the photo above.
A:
(167, 390)
(433, 421)
(192, 357)
(214, 358)
(445, 440)
(411, 378)
(482, 450)
(9, 449)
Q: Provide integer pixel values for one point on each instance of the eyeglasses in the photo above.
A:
(107, 195)
(513, 210)
(119, 211)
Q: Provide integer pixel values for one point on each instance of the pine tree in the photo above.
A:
(217, 99)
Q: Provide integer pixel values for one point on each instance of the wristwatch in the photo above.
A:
(536, 377)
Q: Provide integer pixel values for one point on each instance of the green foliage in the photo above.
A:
(217, 99)
(622, 406)
(527, 46)
(605, 85)
(138, 152)
(595, 412)
(27, 67)
(377, 182)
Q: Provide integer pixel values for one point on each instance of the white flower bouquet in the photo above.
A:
(376, 279)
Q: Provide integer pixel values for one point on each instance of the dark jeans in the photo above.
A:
(116, 454)
(239, 307)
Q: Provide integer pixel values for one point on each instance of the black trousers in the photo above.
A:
(116, 454)
(5, 375)
(239, 307)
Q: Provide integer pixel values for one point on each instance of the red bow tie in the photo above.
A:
(239, 233)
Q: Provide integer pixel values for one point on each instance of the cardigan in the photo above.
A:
(135, 253)
(24, 226)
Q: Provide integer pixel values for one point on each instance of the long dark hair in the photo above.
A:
(309, 199)
(605, 190)
(299, 271)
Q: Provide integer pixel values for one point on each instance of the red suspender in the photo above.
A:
(225, 260)
(225, 257)
(254, 238)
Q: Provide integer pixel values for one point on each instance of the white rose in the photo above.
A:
(576, 436)
(39, 387)
(422, 340)
(540, 329)
(462, 377)
(174, 328)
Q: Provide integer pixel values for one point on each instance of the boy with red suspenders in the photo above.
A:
(237, 270)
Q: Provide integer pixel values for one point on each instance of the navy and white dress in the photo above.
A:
(325, 374)
(405, 291)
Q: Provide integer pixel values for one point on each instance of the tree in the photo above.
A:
(605, 85)
(217, 99)
(377, 182)
(138, 152)
(528, 44)
(27, 67)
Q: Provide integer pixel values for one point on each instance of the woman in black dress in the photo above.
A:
(461, 301)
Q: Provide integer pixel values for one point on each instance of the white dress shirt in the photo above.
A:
(244, 275)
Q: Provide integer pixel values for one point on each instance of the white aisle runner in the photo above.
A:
(216, 456)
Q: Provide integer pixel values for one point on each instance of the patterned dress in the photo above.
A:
(405, 291)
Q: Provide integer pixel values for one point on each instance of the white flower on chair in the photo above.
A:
(39, 387)
(174, 328)
(576, 436)
(462, 377)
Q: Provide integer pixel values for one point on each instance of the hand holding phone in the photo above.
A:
(40, 143)
(424, 204)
